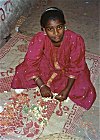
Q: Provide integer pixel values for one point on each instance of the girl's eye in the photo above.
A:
(49, 29)
(60, 27)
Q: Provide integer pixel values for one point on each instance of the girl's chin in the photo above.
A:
(56, 41)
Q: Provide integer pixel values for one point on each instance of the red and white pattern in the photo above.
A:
(14, 51)
(73, 119)
(5, 83)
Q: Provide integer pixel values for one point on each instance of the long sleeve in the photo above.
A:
(77, 58)
(33, 56)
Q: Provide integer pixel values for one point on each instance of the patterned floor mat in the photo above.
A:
(27, 115)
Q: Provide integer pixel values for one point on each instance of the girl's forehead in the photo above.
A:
(52, 22)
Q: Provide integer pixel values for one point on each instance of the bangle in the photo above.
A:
(42, 86)
(36, 79)
(72, 76)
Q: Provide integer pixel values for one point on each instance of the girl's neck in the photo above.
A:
(57, 45)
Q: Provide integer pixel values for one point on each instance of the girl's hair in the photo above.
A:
(51, 13)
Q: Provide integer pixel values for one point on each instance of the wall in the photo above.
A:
(10, 11)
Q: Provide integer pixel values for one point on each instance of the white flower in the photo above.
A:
(5, 91)
(67, 100)
(1, 109)
(19, 90)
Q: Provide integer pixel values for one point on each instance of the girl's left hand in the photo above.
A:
(62, 96)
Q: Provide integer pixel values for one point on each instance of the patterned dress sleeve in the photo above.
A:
(33, 56)
(77, 58)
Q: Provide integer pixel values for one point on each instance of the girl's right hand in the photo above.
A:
(46, 92)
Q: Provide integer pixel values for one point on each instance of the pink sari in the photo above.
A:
(56, 65)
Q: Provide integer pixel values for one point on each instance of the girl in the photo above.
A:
(55, 62)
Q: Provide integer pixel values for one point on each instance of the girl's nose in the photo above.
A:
(55, 32)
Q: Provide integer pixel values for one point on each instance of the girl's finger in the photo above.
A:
(58, 97)
(51, 95)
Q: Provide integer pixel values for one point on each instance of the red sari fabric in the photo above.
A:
(54, 66)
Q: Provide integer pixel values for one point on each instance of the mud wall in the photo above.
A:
(10, 11)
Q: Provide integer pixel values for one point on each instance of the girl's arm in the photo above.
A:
(64, 93)
(44, 89)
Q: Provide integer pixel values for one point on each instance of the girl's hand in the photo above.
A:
(64, 93)
(62, 96)
(46, 92)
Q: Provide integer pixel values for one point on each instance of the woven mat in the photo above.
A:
(68, 116)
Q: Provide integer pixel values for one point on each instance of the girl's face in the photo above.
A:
(55, 31)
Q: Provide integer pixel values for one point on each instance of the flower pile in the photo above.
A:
(21, 117)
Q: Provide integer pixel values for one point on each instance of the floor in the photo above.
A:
(82, 16)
